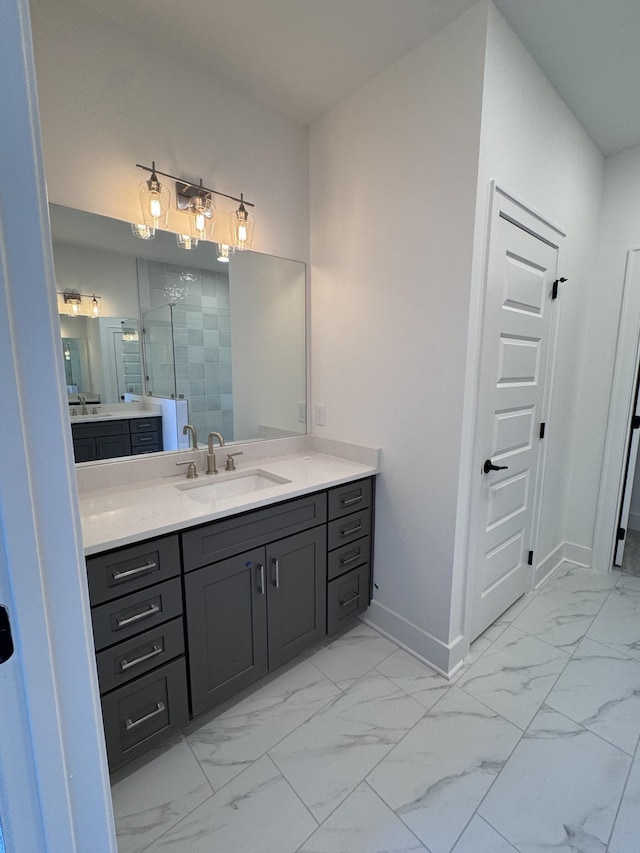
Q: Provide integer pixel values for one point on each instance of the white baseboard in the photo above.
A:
(428, 649)
(565, 552)
(578, 554)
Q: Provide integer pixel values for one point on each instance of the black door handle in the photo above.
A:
(489, 466)
(6, 640)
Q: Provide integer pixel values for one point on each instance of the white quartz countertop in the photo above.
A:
(121, 515)
(111, 416)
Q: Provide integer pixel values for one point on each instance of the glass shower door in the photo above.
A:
(157, 329)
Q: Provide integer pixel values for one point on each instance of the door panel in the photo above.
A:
(513, 364)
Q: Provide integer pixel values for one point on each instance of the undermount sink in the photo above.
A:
(220, 486)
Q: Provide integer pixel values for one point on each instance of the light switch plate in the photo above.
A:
(302, 412)
(321, 414)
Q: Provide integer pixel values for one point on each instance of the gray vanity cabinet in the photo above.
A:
(226, 607)
(114, 437)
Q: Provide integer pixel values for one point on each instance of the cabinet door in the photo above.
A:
(297, 570)
(110, 446)
(84, 448)
(226, 627)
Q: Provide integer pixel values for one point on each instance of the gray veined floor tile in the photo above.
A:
(626, 832)
(157, 795)
(559, 790)
(229, 743)
(617, 623)
(353, 654)
(363, 824)
(478, 648)
(255, 813)
(600, 689)
(627, 581)
(560, 616)
(328, 756)
(479, 837)
(514, 676)
(582, 581)
(438, 774)
(414, 677)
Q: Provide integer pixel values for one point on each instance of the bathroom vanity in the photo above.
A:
(238, 586)
(108, 437)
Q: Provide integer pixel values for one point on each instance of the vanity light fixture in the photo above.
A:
(155, 201)
(73, 301)
(197, 201)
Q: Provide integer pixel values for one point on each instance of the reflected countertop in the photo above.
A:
(127, 513)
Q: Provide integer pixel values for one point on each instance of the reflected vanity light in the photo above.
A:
(73, 302)
(197, 201)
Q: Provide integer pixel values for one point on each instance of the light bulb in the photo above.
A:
(155, 208)
(242, 232)
(75, 307)
(95, 308)
(223, 253)
(199, 223)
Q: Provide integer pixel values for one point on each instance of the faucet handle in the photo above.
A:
(192, 473)
(231, 462)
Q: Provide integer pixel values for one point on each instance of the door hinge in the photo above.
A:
(635, 422)
(530, 560)
(542, 429)
(621, 534)
(554, 291)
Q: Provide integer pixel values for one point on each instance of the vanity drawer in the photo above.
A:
(347, 596)
(348, 557)
(349, 498)
(140, 439)
(222, 539)
(121, 619)
(343, 530)
(96, 429)
(140, 425)
(134, 567)
(145, 448)
(126, 661)
(145, 711)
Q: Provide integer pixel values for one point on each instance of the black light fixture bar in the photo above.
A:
(195, 186)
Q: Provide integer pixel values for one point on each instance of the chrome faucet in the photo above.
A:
(187, 428)
(83, 400)
(211, 457)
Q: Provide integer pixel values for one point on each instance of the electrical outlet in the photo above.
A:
(321, 414)
(302, 412)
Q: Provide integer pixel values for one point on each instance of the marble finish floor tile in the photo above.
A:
(479, 837)
(600, 689)
(414, 677)
(514, 676)
(626, 832)
(559, 791)
(327, 757)
(363, 824)
(438, 774)
(353, 655)
(582, 581)
(157, 794)
(561, 616)
(616, 624)
(229, 743)
(255, 813)
(627, 581)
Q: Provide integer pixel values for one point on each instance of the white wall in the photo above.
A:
(619, 232)
(393, 188)
(109, 99)
(534, 147)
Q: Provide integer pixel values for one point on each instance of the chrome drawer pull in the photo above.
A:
(145, 438)
(144, 426)
(345, 561)
(127, 664)
(276, 580)
(118, 576)
(354, 597)
(347, 531)
(350, 501)
(122, 623)
(131, 724)
(261, 567)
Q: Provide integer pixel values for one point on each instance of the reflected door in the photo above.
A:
(159, 358)
(520, 274)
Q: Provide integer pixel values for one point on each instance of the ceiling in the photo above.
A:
(303, 56)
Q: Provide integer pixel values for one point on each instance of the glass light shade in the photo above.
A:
(95, 307)
(224, 252)
(143, 232)
(73, 304)
(186, 241)
(155, 201)
(201, 212)
(242, 226)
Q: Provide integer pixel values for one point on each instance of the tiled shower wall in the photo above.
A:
(201, 337)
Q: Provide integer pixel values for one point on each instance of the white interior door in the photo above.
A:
(521, 270)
